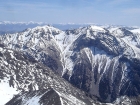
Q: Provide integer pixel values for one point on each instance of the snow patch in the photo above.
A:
(136, 30)
(97, 28)
(6, 92)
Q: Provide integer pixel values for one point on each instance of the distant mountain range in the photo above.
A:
(12, 27)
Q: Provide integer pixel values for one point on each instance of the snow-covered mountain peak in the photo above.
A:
(96, 28)
(136, 30)
(120, 32)
(46, 29)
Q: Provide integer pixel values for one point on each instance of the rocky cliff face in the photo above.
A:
(106, 65)
(104, 62)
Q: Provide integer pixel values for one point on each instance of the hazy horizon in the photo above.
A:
(116, 12)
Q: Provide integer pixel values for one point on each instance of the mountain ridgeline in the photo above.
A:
(104, 62)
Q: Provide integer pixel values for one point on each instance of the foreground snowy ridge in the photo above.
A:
(88, 57)
(29, 80)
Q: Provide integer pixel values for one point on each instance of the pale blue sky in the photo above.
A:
(120, 12)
